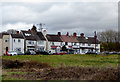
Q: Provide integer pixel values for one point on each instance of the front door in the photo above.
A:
(6, 49)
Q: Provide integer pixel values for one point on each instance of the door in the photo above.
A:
(6, 49)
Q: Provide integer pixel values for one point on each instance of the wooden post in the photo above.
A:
(95, 42)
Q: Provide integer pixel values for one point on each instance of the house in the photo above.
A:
(54, 43)
(34, 40)
(41, 41)
(78, 44)
(70, 41)
(11, 42)
(30, 42)
(5, 42)
(87, 44)
(17, 42)
(91, 42)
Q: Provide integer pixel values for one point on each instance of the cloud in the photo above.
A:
(63, 16)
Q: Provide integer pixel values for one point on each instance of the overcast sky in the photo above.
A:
(80, 17)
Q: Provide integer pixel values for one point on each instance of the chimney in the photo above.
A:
(17, 32)
(82, 35)
(59, 33)
(74, 34)
(28, 29)
(67, 34)
(44, 32)
(32, 31)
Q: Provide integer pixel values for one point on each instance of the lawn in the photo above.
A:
(71, 60)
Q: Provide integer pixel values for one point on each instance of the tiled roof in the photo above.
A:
(66, 38)
(74, 39)
(33, 35)
(0, 35)
(28, 35)
(54, 38)
(91, 40)
(40, 34)
(17, 36)
(3, 33)
(82, 39)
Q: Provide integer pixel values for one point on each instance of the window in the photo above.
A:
(66, 43)
(18, 40)
(74, 43)
(96, 45)
(29, 42)
(41, 48)
(61, 43)
(52, 43)
(89, 44)
(6, 40)
(79, 43)
(40, 42)
(18, 49)
(83, 44)
(32, 42)
(82, 50)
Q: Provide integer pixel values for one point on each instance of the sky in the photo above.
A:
(79, 17)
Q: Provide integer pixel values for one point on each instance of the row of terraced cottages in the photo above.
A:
(30, 40)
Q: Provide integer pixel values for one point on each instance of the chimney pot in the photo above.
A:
(82, 35)
(59, 33)
(74, 34)
(67, 34)
(17, 32)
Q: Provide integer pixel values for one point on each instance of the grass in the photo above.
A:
(70, 60)
(59, 61)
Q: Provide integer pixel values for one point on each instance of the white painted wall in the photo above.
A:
(40, 44)
(33, 43)
(18, 45)
(97, 47)
(55, 44)
(11, 44)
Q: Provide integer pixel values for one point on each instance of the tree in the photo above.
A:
(109, 40)
(11, 31)
(108, 36)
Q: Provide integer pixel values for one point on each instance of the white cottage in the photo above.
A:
(54, 43)
(87, 44)
(34, 40)
(30, 41)
(17, 42)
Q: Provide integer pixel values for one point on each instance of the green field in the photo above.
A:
(71, 60)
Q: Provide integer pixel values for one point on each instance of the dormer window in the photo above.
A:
(27, 34)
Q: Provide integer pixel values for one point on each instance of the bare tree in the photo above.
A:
(108, 36)
(11, 31)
